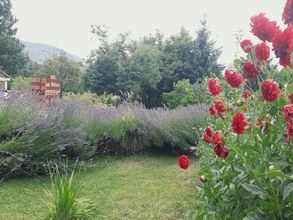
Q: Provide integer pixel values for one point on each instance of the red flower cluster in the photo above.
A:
(250, 70)
(288, 116)
(217, 140)
(262, 51)
(246, 93)
(263, 28)
(246, 45)
(287, 15)
(270, 90)
(233, 78)
(214, 86)
(183, 162)
(238, 123)
(218, 109)
(283, 45)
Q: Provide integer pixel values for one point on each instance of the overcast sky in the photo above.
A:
(67, 23)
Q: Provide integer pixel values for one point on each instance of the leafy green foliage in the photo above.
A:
(12, 60)
(185, 93)
(22, 83)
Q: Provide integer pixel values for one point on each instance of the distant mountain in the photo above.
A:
(39, 52)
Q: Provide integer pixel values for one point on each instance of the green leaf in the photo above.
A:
(282, 102)
(249, 148)
(278, 173)
(287, 190)
(254, 189)
(268, 205)
(266, 140)
(273, 110)
(207, 192)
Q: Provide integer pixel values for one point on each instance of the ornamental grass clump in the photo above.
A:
(65, 203)
(246, 153)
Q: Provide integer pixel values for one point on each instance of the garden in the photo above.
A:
(73, 160)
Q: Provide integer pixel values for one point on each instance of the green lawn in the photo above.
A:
(132, 188)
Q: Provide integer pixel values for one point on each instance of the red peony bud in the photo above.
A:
(202, 179)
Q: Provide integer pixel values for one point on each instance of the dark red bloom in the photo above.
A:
(238, 123)
(233, 78)
(206, 138)
(287, 15)
(208, 135)
(212, 110)
(209, 131)
(219, 104)
(221, 151)
(270, 90)
(288, 111)
(260, 122)
(262, 51)
(250, 70)
(217, 138)
(246, 93)
(214, 86)
(246, 45)
(183, 162)
(263, 28)
(283, 45)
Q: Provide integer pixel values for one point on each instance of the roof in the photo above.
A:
(5, 75)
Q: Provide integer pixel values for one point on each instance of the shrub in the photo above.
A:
(246, 153)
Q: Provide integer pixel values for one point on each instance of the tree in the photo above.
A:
(66, 70)
(12, 59)
(176, 59)
(142, 73)
(205, 56)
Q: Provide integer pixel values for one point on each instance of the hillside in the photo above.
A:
(39, 52)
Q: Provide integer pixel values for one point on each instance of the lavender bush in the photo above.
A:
(34, 134)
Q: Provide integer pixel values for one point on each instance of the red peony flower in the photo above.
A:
(208, 135)
(246, 45)
(221, 151)
(214, 86)
(183, 162)
(209, 131)
(238, 123)
(270, 90)
(288, 111)
(287, 15)
(206, 138)
(263, 28)
(233, 78)
(219, 106)
(212, 110)
(262, 51)
(283, 45)
(217, 138)
(246, 93)
(260, 122)
(250, 70)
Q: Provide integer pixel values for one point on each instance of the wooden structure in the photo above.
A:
(4, 78)
(46, 89)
